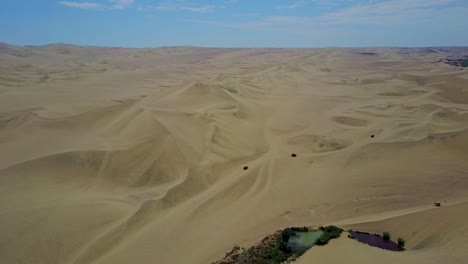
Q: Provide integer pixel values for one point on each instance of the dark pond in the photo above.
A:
(376, 241)
(460, 62)
(302, 241)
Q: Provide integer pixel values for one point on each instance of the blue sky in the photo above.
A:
(235, 23)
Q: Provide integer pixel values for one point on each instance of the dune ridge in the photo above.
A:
(116, 155)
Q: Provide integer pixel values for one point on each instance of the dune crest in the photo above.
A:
(176, 154)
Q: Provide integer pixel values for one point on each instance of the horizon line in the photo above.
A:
(227, 47)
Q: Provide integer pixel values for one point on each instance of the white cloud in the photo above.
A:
(82, 5)
(387, 12)
(251, 14)
(300, 3)
(202, 9)
(383, 22)
(121, 4)
(164, 7)
(292, 6)
(179, 5)
(113, 4)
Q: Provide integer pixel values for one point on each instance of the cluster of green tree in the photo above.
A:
(274, 249)
(279, 251)
(401, 242)
(300, 229)
(330, 232)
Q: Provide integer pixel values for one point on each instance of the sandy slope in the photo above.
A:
(442, 239)
(135, 156)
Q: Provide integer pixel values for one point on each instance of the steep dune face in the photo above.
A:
(126, 155)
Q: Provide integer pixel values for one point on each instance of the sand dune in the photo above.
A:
(115, 155)
(434, 241)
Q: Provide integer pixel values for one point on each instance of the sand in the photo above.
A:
(116, 155)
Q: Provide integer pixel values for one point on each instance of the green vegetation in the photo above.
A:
(330, 232)
(279, 250)
(300, 229)
(401, 242)
(285, 246)
(282, 247)
(386, 236)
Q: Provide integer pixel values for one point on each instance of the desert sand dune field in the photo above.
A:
(117, 155)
